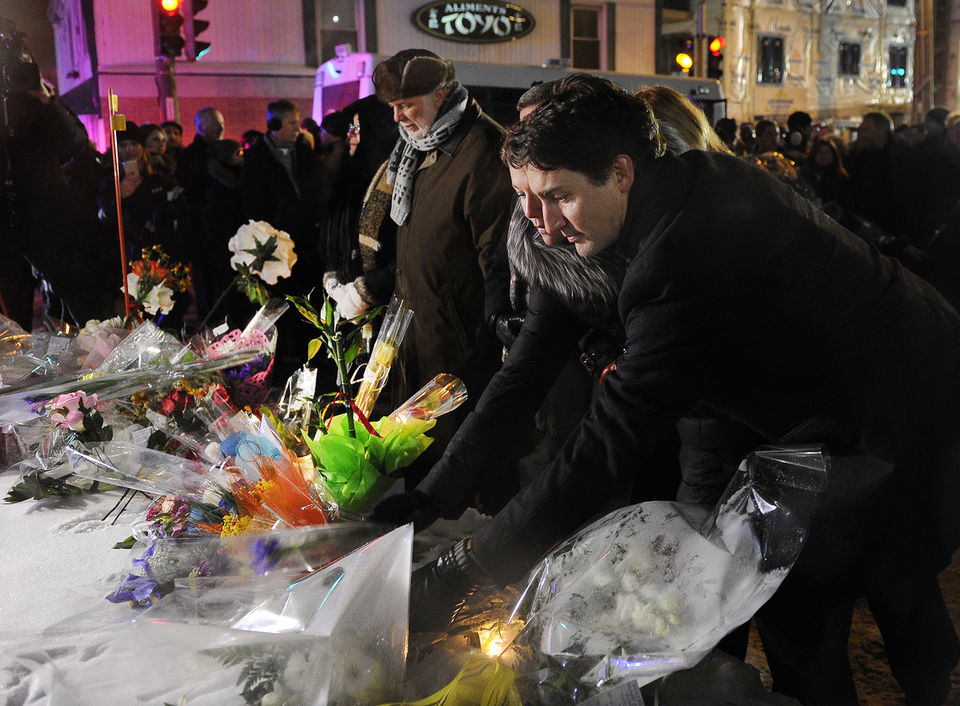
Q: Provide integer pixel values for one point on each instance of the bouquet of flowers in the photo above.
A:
(314, 615)
(651, 588)
(249, 384)
(154, 280)
(358, 460)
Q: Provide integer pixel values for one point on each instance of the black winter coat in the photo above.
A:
(743, 298)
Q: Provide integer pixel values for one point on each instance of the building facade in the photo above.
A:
(836, 59)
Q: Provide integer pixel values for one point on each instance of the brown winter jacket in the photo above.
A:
(461, 208)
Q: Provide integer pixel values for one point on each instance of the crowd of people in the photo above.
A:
(644, 295)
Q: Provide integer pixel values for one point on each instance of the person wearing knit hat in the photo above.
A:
(450, 201)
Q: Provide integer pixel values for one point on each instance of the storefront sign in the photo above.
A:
(475, 22)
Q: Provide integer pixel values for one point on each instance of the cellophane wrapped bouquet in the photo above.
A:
(306, 616)
(358, 460)
(249, 383)
(652, 588)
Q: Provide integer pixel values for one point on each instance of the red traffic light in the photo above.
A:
(716, 45)
(170, 6)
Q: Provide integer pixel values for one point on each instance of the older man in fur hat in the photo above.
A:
(451, 203)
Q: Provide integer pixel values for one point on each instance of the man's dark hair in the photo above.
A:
(583, 126)
(276, 110)
(938, 115)
(726, 129)
(880, 120)
(799, 121)
(172, 123)
(537, 93)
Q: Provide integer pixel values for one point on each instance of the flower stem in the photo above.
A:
(344, 382)
(219, 301)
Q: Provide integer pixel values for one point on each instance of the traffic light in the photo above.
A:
(715, 57)
(195, 47)
(684, 55)
(170, 20)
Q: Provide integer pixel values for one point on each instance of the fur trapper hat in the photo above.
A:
(411, 72)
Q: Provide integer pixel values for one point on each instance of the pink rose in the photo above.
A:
(67, 412)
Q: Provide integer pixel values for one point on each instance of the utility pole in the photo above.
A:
(167, 45)
(923, 61)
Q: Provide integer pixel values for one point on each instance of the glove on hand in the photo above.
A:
(330, 283)
(416, 507)
(439, 590)
(349, 302)
(505, 326)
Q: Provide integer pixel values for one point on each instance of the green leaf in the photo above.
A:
(351, 353)
(305, 308)
(127, 543)
(313, 347)
(328, 312)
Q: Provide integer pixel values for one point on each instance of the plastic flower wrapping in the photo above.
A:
(250, 579)
(314, 616)
(650, 589)
(249, 383)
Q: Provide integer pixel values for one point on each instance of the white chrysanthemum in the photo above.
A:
(249, 242)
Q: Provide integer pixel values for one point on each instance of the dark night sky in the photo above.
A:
(30, 16)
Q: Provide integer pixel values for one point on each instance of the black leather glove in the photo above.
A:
(439, 590)
(416, 507)
(505, 326)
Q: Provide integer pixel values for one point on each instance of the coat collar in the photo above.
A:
(470, 115)
(659, 189)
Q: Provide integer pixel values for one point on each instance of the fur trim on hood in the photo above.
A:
(577, 281)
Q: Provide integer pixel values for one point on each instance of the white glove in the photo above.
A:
(330, 283)
(349, 302)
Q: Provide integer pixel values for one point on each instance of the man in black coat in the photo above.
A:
(741, 298)
(282, 185)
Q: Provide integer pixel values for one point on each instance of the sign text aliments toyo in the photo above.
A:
(476, 22)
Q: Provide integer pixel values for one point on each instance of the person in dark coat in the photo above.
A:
(828, 178)
(451, 202)
(282, 185)
(742, 298)
(371, 135)
(46, 212)
(222, 216)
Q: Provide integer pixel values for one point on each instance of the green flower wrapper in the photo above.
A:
(357, 472)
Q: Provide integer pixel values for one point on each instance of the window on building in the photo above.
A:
(897, 3)
(770, 69)
(849, 59)
(897, 71)
(586, 37)
(337, 24)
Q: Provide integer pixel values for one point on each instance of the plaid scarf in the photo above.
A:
(408, 154)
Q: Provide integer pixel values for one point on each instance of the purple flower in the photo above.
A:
(266, 554)
(140, 590)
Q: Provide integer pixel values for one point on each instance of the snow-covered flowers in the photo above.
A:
(260, 249)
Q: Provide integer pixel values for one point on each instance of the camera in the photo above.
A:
(17, 70)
